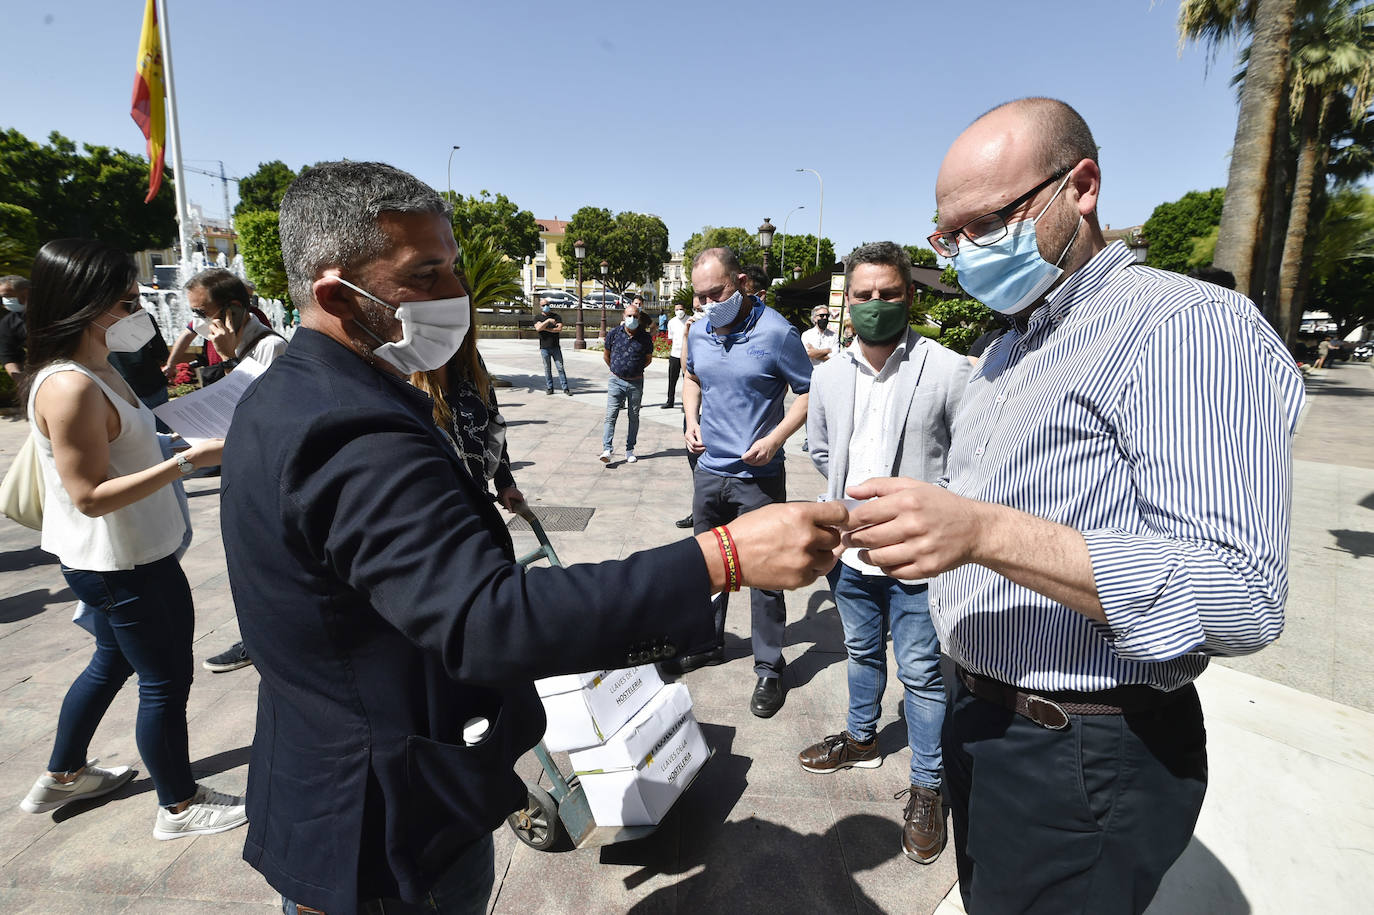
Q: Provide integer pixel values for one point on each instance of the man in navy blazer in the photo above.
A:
(376, 585)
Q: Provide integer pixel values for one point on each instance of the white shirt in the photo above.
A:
(816, 338)
(677, 330)
(873, 391)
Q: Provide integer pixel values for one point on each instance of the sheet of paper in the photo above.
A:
(207, 413)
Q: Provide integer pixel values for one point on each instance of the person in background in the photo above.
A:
(200, 329)
(112, 519)
(549, 326)
(677, 331)
(465, 408)
(14, 294)
(222, 300)
(629, 350)
(689, 522)
(741, 362)
(885, 407)
(820, 342)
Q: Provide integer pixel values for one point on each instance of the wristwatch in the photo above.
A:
(184, 465)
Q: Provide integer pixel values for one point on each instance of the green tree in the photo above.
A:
(1269, 25)
(260, 244)
(1343, 260)
(1173, 228)
(512, 230)
(95, 193)
(921, 257)
(798, 250)
(961, 321)
(264, 189)
(18, 239)
(491, 276)
(633, 245)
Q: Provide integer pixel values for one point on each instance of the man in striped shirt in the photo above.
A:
(1116, 511)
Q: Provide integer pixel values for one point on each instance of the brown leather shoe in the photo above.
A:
(840, 751)
(923, 836)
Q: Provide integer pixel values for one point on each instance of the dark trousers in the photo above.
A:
(143, 622)
(720, 500)
(674, 370)
(1086, 819)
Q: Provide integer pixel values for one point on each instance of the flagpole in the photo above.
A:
(174, 136)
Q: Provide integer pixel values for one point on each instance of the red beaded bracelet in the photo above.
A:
(728, 556)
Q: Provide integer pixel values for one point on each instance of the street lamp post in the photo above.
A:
(605, 268)
(782, 261)
(820, 215)
(765, 242)
(580, 251)
(450, 173)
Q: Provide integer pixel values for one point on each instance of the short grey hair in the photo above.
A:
(14, 283)
(724, 256)
(879, 252)
(329, 218)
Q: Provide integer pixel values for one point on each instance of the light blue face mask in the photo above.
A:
(722, 314)
(1009, 274)
(14, 305)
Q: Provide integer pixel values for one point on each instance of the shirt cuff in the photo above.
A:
(1146, 594)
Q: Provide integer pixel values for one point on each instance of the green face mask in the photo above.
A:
(876, 321)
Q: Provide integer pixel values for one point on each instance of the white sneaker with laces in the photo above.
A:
(630, 457)
(606, 456)
(209, 812)
(48, 793)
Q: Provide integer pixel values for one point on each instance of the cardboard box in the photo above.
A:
(584, 709)
(637, 775)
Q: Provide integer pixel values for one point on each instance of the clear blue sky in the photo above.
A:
(698, 112)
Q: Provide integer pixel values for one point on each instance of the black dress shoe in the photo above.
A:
(769, 696)
(676, 667)
(689, 521)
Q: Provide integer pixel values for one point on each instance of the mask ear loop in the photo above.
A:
(367, 330)
(1057, 191)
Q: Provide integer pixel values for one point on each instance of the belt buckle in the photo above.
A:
(1046, 712)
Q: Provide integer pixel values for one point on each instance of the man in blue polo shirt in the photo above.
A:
(629, 350)
(741, 360)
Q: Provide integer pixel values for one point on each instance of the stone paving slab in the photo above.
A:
(756, 833)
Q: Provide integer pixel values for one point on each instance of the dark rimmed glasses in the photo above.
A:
(989, 228)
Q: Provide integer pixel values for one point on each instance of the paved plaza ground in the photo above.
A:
(1288, 825)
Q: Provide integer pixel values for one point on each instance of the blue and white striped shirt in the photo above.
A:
(1154, 414)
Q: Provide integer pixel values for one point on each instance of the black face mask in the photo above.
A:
(822, 323)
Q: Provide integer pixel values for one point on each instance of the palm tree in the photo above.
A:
(1270, 25)
(1332, 77)
(491, 276)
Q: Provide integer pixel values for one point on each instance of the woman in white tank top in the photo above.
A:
(112, 519)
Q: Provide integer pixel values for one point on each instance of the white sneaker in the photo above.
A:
(606, 456)
(209, 812)
(48, 793)
(630, 457)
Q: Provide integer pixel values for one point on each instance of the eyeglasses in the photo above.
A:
(988, 228)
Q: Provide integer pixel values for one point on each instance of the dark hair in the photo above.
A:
(224, 289)
(1214, 275)
(757, 278)
(75, 280)
(880, 252)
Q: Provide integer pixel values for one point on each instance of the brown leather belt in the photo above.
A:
(1052, 709)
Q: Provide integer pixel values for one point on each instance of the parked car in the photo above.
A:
(612, 300)
(557, 297)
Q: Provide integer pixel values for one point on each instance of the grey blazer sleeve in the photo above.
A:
(817, 425)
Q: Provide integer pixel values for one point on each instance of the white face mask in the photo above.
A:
(431, 332)
(128, 335)
(679, 313)
(632, 324)
(13, 304)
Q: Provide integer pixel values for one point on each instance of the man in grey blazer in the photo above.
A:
(884, 408)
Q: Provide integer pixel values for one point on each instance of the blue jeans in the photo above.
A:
(463, 889)
(554, 356)
(629, 393)
(143, 622)
(871, 607)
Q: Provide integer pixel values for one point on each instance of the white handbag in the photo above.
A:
(21, 493)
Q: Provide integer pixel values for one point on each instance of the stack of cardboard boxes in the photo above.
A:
(634, 743)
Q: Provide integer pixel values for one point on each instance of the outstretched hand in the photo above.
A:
(787, 545)
(911, 529)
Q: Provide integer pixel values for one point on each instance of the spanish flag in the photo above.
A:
(149, 109)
